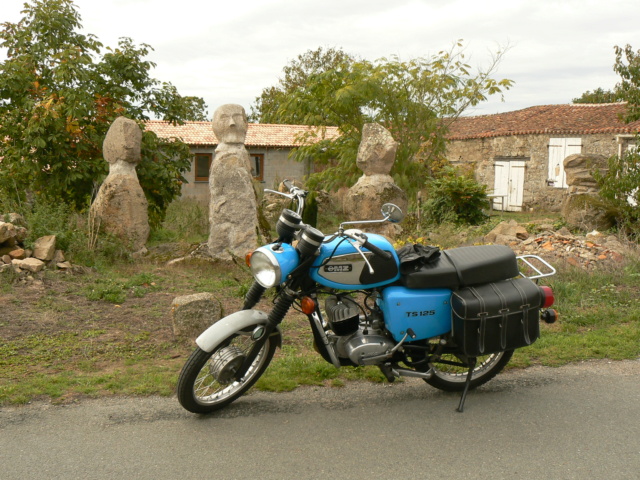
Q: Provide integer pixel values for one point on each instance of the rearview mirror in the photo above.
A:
(392, 213)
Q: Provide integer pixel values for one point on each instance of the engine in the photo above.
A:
(362, 340)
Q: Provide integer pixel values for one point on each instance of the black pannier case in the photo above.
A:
(497, 316)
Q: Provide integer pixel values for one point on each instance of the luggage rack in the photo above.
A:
(541, 267)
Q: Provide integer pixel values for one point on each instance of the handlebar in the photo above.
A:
(295, 193)
(377, 251)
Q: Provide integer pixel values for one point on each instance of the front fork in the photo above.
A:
(260, 335)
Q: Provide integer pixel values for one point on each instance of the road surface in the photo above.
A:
(581, 421)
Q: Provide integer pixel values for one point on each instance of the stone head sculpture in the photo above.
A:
(230, 123)
(122, 142)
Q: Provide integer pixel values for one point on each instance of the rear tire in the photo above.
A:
(207, 383)
(451, 378)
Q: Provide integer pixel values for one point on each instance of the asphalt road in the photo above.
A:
(576, 422)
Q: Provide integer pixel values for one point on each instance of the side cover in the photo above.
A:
(427, 312)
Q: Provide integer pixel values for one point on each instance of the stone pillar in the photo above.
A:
(120, 208)
(375, 187)
(233, 216)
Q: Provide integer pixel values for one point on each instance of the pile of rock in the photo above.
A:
(13, 255)
(586, 251)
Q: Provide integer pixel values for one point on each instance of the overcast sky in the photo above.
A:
(228, 51)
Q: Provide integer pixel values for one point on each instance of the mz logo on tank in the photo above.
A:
(338, 268)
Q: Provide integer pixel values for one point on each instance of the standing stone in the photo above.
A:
(233, 212)
(120, 208)
(582, 207)
(376, 187)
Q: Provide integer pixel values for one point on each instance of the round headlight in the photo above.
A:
(265, 268)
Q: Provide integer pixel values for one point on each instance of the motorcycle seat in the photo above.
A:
(464, 267)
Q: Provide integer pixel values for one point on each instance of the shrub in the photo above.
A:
(453, 197)
(619, 190)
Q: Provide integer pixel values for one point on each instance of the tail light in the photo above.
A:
(547, 297)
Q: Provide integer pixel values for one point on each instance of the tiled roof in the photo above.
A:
(569, 119)
(258, 134)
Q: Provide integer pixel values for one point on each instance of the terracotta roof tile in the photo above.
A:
(258, 134)
(568, 119)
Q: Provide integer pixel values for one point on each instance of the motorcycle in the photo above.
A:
(450, 317)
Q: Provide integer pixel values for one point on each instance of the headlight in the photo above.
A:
(265, 269)
(271, 264)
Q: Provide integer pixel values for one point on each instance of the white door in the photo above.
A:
(508, 188)
(559, 149)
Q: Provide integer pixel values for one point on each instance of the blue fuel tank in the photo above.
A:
(341, 266)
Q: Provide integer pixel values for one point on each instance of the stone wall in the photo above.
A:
(481, 153)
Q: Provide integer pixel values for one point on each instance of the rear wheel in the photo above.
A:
(451, 378)
(207, 381)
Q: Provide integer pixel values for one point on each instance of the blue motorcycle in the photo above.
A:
(452, 318)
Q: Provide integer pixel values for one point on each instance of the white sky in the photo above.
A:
(227, 52)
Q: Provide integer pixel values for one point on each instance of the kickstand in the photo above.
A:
(472, 365)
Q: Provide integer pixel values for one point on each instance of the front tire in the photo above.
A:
(206, 382)
(452, 378)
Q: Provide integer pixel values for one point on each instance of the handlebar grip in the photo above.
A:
(377, 251)
(288, 184)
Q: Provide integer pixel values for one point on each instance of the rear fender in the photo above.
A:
(216, 333)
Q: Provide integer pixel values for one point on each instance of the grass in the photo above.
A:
(108, 331)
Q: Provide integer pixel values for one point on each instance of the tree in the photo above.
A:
(295, 76)
(415, 100)
(599, 95)
(629, 87)
(59, 93)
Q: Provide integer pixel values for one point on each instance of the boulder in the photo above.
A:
(506, 232)
(586, 212)
(44, 248)
(192, 314)
(31, 264)
(7, 231)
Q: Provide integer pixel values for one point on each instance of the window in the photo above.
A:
(257, 165)
(202, 164)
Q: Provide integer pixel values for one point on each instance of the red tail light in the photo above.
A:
(548, 299)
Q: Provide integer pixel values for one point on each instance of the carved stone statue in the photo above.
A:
(375, 187)
(233, 217)
(120, 208)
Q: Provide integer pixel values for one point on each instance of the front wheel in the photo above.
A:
(207, 382)
(451, 378)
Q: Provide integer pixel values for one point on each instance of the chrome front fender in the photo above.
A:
(219, 331)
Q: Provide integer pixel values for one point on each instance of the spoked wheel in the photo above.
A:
(451, 378)
(207, 381)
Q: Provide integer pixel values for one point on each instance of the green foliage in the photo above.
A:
(59, 93)
(629, 87)
(58, 220)
(310, 214)
(415, 100)
(186, 219)
(296, 75)
(620, 192)
(599, 95)
(455, 198)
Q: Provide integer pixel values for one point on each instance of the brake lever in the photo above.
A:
(357, 243)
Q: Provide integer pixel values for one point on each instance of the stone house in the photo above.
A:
(268, 145)
(519, 155)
